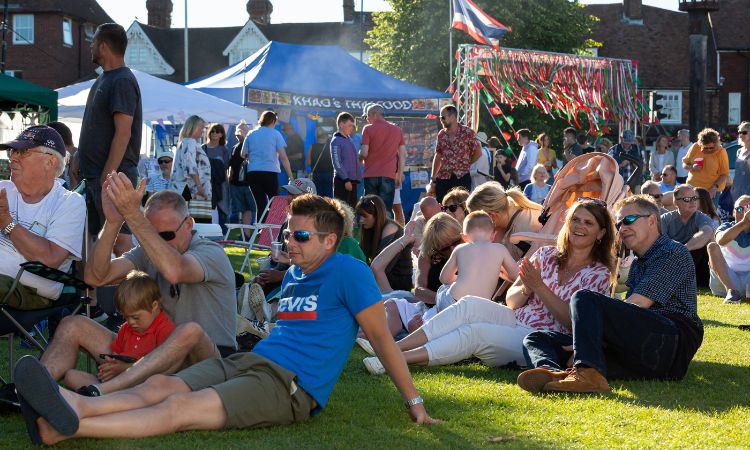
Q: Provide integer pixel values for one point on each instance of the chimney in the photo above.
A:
(632, 10)
(349, 11)
(159, 13)
(260, 11)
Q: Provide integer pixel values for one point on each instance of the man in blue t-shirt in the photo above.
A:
(325, 298)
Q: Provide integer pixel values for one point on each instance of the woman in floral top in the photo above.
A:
(538, 300)
(191, 169)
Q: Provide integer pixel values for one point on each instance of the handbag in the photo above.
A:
(199, 209)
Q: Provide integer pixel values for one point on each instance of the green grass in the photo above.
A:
(710, 408)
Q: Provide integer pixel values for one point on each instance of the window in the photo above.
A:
(672, 106)
(88, 31)
(14, 73)
(67, 32)
(23, 29)
(137, 55)
(734, 108)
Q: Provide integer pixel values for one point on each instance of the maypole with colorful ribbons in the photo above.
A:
(561, 85)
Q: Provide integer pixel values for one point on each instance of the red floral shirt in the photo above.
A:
(455, 150)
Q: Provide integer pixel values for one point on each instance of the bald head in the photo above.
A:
(429, 206)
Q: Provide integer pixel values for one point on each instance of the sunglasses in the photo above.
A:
(164, 161)
(688, 199)
(301, 235)
(740, 209)
(451, 208)
(744, 132)
(656, 196)
(599, 202)
(24, 152)
(216, 132)
(458, 241)
(174, 290)
(169, 235)
(629, 220)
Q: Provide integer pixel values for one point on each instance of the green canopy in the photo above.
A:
(18, 94)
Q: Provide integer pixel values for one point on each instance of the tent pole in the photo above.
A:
(187, 76)
(5, 29)
(450, 41)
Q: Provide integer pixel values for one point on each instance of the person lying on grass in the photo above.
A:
(538, 300)
(653, 334)
(146, 327)
(287, 377)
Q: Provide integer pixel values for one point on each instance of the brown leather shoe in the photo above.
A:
(533, 380)
(580, 379)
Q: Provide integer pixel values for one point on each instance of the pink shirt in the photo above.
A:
(534, 314)
(384, 139)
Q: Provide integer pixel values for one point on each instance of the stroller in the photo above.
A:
(594, 175)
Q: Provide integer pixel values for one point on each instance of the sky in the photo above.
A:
(226, 13)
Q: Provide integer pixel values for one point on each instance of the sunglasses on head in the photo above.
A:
(451, 208)
(169, 235)
(301, 235)
(629, 220)
(165, 161)
(688, 199)
(598, 201)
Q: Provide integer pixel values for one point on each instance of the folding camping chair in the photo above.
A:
(21, 322)
(594, 175)
(263, 233)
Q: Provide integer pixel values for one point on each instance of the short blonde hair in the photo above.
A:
(478, 220)
(439, 232)
(539, 168)
(137, 292)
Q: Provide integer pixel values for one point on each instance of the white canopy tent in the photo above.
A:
(161, 101)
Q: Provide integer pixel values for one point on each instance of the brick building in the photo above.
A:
(48, 41)
(659, 40)
(159, 50)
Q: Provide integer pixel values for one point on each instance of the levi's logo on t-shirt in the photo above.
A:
(298, 308)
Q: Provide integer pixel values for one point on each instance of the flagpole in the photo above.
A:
(450, 41)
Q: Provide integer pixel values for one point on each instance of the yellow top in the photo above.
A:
(541, 159)
(715, 165)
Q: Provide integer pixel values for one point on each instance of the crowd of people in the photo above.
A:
(450, 283)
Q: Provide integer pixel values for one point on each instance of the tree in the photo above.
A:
(411, 42)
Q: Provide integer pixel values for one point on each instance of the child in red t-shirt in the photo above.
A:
(146, 326)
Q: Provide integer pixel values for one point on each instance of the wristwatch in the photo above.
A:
(414, 401)
(8, 228)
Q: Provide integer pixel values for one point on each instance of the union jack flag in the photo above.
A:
(476, 23)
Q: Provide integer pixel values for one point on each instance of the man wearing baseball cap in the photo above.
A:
(40, 220)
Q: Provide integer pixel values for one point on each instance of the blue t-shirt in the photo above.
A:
(316, 329)
(262, 146)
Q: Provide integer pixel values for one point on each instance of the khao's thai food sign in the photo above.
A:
(316, 103)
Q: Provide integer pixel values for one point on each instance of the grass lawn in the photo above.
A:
(710, 408)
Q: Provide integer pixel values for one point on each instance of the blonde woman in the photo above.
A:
(511, 213)
(546, 155)
(191, 169)
(538, 300)
(661, 157)
(348, 245)
(537, 190)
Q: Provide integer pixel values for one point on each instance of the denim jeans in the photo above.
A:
(618, 339)
(384, 188)
(323, 183)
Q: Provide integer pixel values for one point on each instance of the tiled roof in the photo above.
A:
(87, 10)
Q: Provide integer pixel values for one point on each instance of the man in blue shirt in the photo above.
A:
(345, 161)
(653, 334)
(289, 376)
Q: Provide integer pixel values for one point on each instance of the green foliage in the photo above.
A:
(411, 43)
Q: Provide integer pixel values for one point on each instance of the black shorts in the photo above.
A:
(94, 204)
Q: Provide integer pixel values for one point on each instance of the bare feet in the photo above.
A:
(47, 432)
(76, 401)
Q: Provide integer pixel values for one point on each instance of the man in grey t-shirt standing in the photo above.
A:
(194, 275)
(111, 128)
(690, 227)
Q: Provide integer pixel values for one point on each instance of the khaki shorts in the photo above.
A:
(23, 297)
(255, 391)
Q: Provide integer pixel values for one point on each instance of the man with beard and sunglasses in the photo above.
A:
(287, 378)
(653, 334)
(194, 275)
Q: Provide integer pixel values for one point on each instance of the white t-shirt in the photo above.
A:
(681, 153)
(59, 217)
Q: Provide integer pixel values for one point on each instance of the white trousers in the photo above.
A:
(475, 326)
